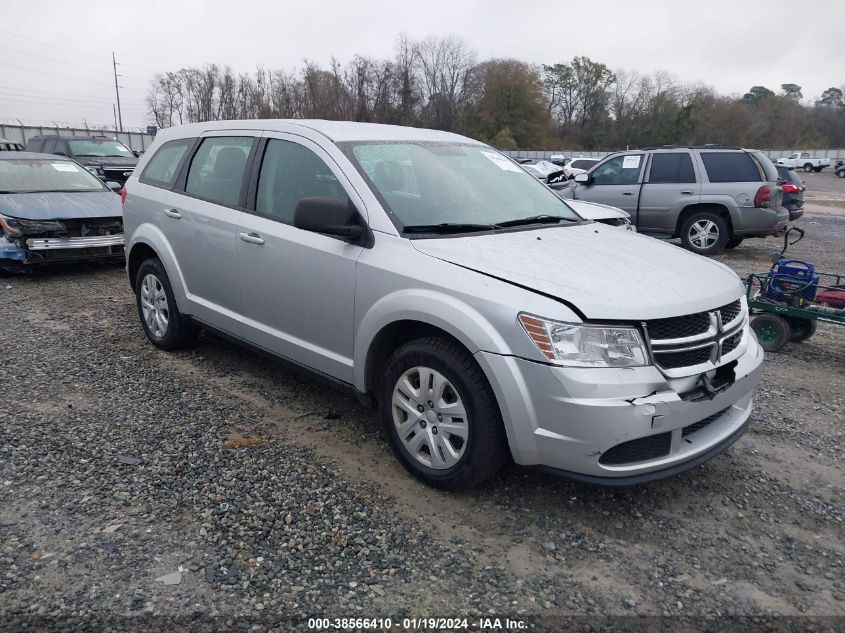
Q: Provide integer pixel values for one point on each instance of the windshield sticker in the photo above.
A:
(502, 162)
(64, 166)
(631, 162)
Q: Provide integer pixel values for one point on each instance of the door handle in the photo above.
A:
(173, 213)
(627, 193)
(686, 192)
(252, 238)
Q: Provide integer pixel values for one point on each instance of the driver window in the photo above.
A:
(622, 170)
(289, 173)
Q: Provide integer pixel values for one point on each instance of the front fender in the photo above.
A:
(434, 308)
(153, 237)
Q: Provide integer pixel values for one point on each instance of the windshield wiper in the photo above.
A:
(537, 219)
(447, 227)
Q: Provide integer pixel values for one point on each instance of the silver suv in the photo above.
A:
(712, 197)
(439, 281)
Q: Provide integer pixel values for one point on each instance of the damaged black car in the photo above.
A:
(52, 210)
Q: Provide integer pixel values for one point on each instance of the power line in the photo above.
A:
(44, 72)
(50, 59)
(69, 100)
(67, 50)
(37, 94)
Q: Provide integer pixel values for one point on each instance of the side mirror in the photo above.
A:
(114, 186)
(582, 178)
(329, 216)
(136, 153)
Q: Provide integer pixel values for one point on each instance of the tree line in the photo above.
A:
(439, 82)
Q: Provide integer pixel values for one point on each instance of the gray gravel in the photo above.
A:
(213, 484)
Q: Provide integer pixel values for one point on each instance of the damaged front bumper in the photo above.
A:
(27, 242)
(620, 426)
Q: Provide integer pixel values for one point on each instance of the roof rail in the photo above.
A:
(705, 146)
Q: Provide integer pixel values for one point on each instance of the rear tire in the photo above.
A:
(772, 331)
(817, 169)
(163, 324)
(801, 329)
(808, 167)
(704, 233)
(734, 242)
(430, 384)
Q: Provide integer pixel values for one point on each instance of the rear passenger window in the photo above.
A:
(217, 169)
(730, 167)
(163, 167)
(289, 173)
(674, 167)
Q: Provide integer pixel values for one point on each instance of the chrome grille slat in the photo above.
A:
(687, 344)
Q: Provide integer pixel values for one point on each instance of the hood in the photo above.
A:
(56, 205)
(110, 161)
(604, 272)
(596, 211)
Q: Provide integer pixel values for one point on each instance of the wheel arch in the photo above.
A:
(148, 241)
(403, 316)
(711, 207)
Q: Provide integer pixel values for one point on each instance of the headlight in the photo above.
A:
(576, 345)
(97, 171)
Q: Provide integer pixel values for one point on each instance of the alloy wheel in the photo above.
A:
(154, 305)
(703, 234)
(430, 418)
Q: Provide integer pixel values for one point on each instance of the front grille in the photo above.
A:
(638, 450)
(683, 358)
(84, 227)
(730, 311)
(731, 343)
(116, 173)
(679, 327)
(686, 341)
(692, 428)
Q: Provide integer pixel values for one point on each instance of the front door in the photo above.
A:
(615, 182)
(298, 287)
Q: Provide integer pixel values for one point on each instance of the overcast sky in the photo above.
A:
(730, 45)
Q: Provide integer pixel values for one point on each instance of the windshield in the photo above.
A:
(425, 183)
(100, 148)
(37, 175)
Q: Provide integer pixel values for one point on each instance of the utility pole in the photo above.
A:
(117, 92)
(114, 112)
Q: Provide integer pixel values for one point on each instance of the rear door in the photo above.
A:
(670, 185)
(298, 287)
(201, 217)
(615, 182)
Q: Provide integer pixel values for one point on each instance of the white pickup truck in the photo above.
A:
(803, 159)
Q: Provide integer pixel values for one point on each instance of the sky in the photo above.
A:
(56, 64)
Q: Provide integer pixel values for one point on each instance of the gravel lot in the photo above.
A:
(276, 498)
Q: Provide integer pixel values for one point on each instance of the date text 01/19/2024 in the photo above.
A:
(416, 624)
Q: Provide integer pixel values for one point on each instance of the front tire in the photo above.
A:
(440, 415)
(704, 233)
(163, 324)
(808, 167)
(841, 173)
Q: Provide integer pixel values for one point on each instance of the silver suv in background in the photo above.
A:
(435, 278)
(712, 197)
